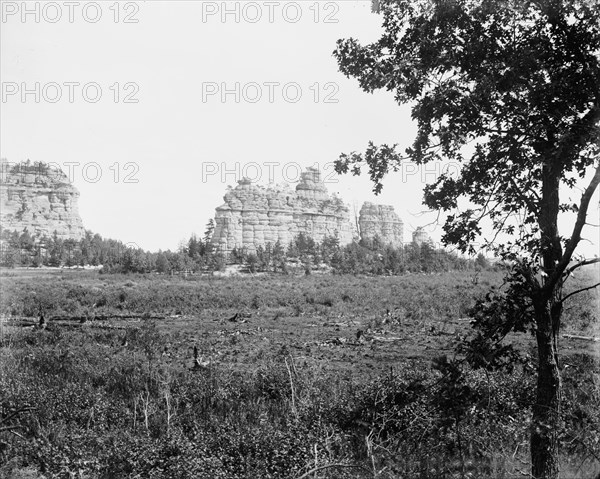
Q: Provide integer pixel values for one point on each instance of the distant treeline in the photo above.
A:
(112, 256)
(360, 257)
(197, 255)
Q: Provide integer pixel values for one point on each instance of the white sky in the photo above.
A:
(175, 51)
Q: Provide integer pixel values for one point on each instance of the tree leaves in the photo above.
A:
(517, 81)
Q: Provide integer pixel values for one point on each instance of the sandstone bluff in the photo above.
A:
(381, 221)
(254, 215)
(39, 198)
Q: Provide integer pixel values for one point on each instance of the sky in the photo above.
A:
(154, 107)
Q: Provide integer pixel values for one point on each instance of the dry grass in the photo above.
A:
(287, 388)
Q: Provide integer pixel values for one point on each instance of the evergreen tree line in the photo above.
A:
(373, 257)
(112, 256)
(197, 255)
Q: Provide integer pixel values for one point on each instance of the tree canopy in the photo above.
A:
(510, 90)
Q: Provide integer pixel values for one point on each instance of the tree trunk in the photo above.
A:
(548, 309)
(546, 410)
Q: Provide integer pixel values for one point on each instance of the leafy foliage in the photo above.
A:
(510, 91)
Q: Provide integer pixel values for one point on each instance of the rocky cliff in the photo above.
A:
(39, 198)
(381, 221)
(253, 215)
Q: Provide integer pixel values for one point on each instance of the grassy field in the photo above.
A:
(290, 388)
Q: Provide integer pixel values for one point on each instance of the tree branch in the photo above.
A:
(500, 229)
(9, 428)
(16, 413)
(584, 262)
(576, 235)
(579, 291)
(580, 132)
(528, 201)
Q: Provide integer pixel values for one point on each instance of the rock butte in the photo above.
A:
(39, 198)
(255, 215)
(381, 221)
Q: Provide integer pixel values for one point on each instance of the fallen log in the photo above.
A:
(388, 339)
(107, 317)
(19, 324)
(21, 321)
(580, 338)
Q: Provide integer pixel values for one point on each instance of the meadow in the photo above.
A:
(320, 376)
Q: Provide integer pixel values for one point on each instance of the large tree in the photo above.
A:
(510, 90)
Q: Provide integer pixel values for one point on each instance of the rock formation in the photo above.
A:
(253, 215)
(420, 236)
(381, 221)
(39, 198)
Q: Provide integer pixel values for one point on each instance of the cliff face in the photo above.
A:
(382, 221)
(39, 198)
(254, 215)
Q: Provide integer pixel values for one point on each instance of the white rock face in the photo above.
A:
(381, 221)
(40, 199)
(253, 215)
